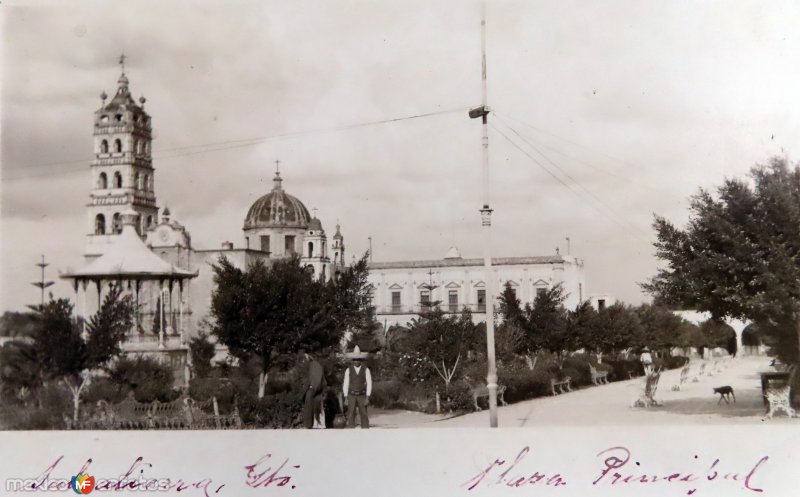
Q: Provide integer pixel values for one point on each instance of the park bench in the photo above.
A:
(599, 377)
(182, 413)
(779, 397)
(648, 396)
(684, 377)
(560, 386)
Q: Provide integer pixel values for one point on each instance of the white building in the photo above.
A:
(401, 289)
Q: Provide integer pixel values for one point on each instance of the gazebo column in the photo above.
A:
(171, 311)
(180, 311)
(160, 310)
(136, 314)
(99, 284)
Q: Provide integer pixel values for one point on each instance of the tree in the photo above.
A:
(661, 328)
(583, 326)
(62, 354)
(619, 328)
(266, 311)
(442, 340)
(547, 322)
(202, 352)
(739, 255)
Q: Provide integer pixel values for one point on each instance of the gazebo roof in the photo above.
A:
(128, 258)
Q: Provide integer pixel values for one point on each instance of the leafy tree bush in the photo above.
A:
(202, 352)
(266, 312)
(145, 377)
(738, 254)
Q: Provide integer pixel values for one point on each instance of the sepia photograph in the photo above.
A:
(411, 215)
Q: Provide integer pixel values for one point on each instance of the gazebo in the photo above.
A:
(130, 263)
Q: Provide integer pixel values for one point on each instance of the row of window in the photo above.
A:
(452, 298)
(119, 118)
(141, 147)
(288, 245)
(140, 181)
(142, 224)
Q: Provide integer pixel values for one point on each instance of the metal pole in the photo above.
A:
(486, 221)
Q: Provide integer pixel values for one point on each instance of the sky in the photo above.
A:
(605, 113)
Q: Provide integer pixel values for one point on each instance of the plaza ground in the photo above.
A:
(694, 403)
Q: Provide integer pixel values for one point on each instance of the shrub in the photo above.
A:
(457, 398)
(102, 388)
(48, 412)
(526, 384)
(284, 410)
(624, 369)
(147, 378)
(385, 393)
(577, 368)
(670, 362)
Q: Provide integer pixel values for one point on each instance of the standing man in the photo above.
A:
(357, 388)
(312, 400)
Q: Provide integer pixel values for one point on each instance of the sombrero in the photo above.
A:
(356, 354)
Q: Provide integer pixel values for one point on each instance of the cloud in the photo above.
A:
(633, 105)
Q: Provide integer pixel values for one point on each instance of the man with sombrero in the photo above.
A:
(357, 388)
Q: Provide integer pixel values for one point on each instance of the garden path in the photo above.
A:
(694, 403)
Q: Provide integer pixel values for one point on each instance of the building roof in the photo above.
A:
(129, 258)
(277, 209)
(453, 253)
(315, 224)
(496, 261)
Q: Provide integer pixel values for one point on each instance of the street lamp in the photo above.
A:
(482, 112)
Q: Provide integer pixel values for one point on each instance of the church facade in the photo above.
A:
(277, 225)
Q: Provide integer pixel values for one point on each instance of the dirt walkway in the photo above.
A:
(694, 403)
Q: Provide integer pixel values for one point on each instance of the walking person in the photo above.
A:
(313, 396)
(647, 361)
(357, 388)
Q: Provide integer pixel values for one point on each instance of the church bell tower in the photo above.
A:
(122, 171)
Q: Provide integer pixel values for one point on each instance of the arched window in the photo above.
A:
(149, 221)
(137, 181)
(100, 225)
(136, 147)
(147, 148)
(104, 147)
(118, 118)
(146, 183)
(151, 184)
(116, 223)
(102, 181)
(139, 225)
(311, 249)
(310, 269)
(104, 119)
(117, 145)
(117, 180)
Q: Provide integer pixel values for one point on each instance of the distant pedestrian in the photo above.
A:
(357, 388)
(647, 361)
(313, 397)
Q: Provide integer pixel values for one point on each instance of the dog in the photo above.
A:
(724, 393)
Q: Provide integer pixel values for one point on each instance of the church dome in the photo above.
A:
(277, 209)
(315, 224)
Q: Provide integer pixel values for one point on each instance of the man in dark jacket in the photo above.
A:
(315, 387)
